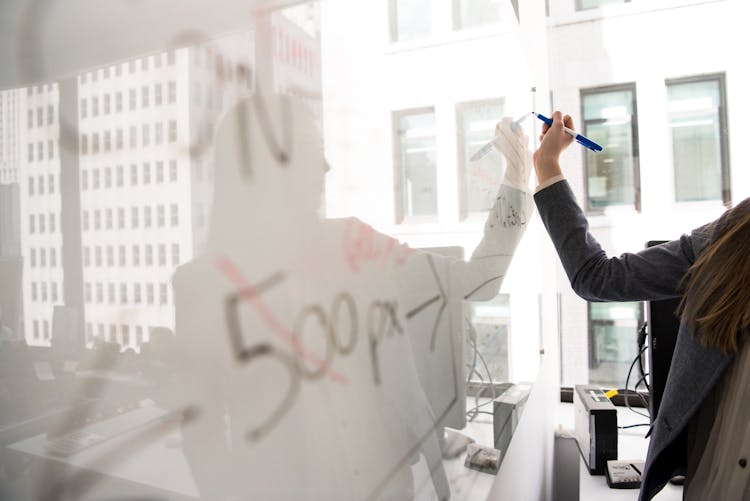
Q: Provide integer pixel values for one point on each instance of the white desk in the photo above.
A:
(631, 444)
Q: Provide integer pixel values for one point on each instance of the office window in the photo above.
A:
(415, 163)
(30, 152)
(697, 125)
(53, 291)
(50, 149)
(158, 99)
(175, 254)
(39, 117)
(150, 293)
(99, 293)
(147, 216)
(84, 144)
(98, 256)
(34, 294)
(31, 186)
(84, 107)
(473, 13)
(120, 218)
(172, 131)
(158, 133)
(43, 258)
(29, 119)
(411, 19)
(118, 101)
(162, 255)
(136, 255)
(160, 172)
(32, 258)
(123, 293)
(106, 104)
(174, 216)
(40, 151)
(613, 345)
(172, 92)
(121, 259)
(146, 173)
(137, 293)
(95, 179)
(133, 174)
(119, 142)
(42, 224)
(612, 176)
(50, 114)
(94, 106)
(132, 99)
(145, 135)
(593, 4)
(144, 96)
(149, 255)
(173, 171)
(479, 180)
(53, 257)
(97, 220)
(133, 136)
(94, 143)
(107, 140)
(31, 223)
(108, 219)
(52, 223)
(120, 175)
(163, 293)
(43, 289)
(134, 217)
(160, 216)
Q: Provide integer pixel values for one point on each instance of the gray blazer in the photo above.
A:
(651, 274)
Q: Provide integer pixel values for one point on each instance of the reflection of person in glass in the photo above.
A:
(294, 332)
(703, 422)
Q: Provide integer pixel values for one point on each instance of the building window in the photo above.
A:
(613, 333)
(481, 179)
(473, 13)
(132, 99)
(172, 131)
(415, 163)
(150, 293)
(697, 125)
(160, 216)
(94, 106)
(133, 174)
(136, 255)
(146, 173)
(172, 92)
(134, 217)
(173, 171)
(118, 101)
(610, 119)
(123, 293)
(174, 215)
(411, 19)
(159, 171)
(162, 255)
(149, 255)
(593, 4)
(175, 254)
(157, 95)
(84, 107)
(144, 96)
(147, 216)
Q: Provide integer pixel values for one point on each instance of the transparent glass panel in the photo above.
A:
(695, 126)
(416, 163)
(480, 178)
(473, 13)
(613, 342)
(608, 121)
(412, 19)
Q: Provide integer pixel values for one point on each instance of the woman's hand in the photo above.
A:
(554, 140)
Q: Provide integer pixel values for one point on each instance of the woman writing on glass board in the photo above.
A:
(702, 427)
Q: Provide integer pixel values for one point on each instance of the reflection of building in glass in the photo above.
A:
(10, 147)
(39, 191)
(145, 129)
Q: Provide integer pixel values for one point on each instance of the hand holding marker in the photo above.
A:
(583, 140)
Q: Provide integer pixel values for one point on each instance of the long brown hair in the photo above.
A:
(717, 297)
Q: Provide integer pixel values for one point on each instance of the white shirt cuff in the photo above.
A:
(549, 182)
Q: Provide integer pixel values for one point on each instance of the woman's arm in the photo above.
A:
(653, 273)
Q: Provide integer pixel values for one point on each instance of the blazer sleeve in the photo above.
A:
(651, 274)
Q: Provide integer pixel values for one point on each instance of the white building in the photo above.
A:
(412, 87)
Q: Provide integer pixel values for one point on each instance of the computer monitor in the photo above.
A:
(663, 325)
(434, 316)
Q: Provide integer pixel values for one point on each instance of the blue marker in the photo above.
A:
(588, 143)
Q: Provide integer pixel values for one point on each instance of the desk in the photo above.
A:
(631, 444)
(161, 464)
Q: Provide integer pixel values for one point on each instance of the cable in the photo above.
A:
(627, 384)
